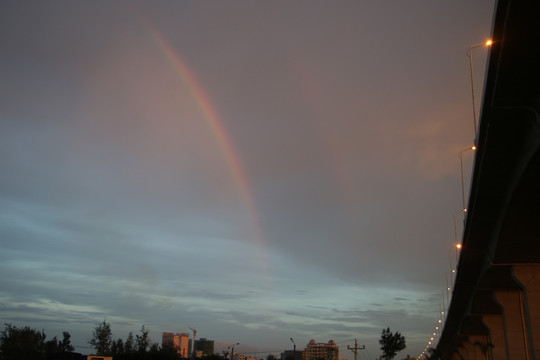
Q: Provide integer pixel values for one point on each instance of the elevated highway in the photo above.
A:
(495, 308)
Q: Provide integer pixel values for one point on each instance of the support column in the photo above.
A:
(482, 349)
(515, 323)
(491, 314)
(495, 323)
(529, 277)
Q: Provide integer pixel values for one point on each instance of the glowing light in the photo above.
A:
(489, 42)
(473, 148)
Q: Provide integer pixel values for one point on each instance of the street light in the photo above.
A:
(232, 349)
(460, 154)
(458, 247)
(294, 351)
(469, 54)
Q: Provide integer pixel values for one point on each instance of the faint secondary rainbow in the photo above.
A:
(214, 123)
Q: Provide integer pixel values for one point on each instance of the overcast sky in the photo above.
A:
(259, 170)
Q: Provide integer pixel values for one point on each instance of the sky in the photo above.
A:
(257, 170)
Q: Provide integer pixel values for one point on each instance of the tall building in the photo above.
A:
(206, 347)
(180, 341)
(321, 351)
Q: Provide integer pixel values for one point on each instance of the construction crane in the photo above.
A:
(193, 345)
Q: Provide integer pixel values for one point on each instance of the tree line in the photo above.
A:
(25, 343)
(30, 344)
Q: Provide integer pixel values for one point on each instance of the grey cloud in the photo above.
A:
(121, 197)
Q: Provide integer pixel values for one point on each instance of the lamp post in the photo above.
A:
(469, 54)
(458, 247)
(294, 351)
(232, 349)
(457, 243)
(460, 154)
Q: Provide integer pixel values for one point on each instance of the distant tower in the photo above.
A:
(180, 341)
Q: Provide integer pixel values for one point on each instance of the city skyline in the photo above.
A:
(259, 171)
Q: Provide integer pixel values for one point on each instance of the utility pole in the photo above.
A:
(356, 348)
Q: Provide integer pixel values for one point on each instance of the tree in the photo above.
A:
(129, 345)
(391, 343)
(102, 339)
(21, 343)
(117, 347)
(51, 347)
(143, 341)
(65, 344)
(154, 348)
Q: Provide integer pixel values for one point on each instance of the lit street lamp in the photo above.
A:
(458, 247)
(469, 54)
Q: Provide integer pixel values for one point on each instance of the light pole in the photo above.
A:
(232, 349)
(469, 54)
(458, 247)
(457, 243)
(294, 347)
(460, 154)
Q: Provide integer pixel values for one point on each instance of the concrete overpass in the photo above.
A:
(495, 308)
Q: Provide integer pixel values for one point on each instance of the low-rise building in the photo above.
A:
(321, 351)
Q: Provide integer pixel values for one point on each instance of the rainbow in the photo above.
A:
(215, 124)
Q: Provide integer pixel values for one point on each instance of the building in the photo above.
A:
(204, 346)
(292, 355)
(321, 351)
(180, 341)
(245, 357)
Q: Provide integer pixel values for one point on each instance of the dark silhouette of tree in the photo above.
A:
(65, 344)
(142, 342)
(129, 345)
(102, 339)
(213, 357)
(51, 347)
(169, 351)
(21, 343)
(154, 348)
(391, 343)
(26, 343)
(117, 347)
